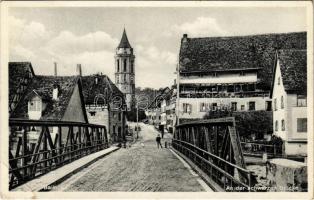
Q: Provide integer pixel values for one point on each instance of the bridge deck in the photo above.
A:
(139, 168)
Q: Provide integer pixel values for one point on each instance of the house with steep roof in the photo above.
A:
(232, 73)
(55, 98)
(20, 75)
(105, 104)
(289, 96)
(45, 98)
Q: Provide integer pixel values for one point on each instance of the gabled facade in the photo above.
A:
(289, 98)
(105, 105)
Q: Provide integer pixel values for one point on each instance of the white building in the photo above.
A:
(289, 97)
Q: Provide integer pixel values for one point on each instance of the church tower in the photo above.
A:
(125, 70)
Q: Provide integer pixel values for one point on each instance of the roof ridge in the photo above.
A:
(239, 36)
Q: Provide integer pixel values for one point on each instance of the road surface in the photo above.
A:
(142, 167)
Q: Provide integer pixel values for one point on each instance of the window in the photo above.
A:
(234, 106)
(214, 106)
(119, 116)
(276, 125)
(301, 100)
(282, 102)
(124, 78)
(278, 80)
(268, 105)
(251, 87)
(124, 65)
(242, 107)
(132, 66)
(275, 104)
(230, 88)
(117, 78)
(242, 73)
(252, 105)
(118, 65)
(283, 126)
(238, 88)
(203, 107)
(34, 105)
(187, 108)
(302, 124)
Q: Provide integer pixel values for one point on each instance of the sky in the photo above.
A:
(89, 36)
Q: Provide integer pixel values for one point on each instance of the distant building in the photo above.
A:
(232, 73)
(105, 105)
(125, 70)
(289, 95)
(157, 109)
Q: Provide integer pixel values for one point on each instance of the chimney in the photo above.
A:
(55, 91)
(79, 70)
(185, 37)
(55, 69)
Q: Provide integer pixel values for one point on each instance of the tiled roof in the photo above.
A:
(124, 43)
(91, 88)
(161, 94)
(293, 70)
(43, 86)
(18, 71)
(243, 52)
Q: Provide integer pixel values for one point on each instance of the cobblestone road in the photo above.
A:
(141, 167)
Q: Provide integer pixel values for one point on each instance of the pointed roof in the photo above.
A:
(124, 43)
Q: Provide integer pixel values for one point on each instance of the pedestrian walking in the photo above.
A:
(158, 140)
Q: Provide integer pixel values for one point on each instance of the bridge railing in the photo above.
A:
(257, 149)
(214, 153)
(37, 147)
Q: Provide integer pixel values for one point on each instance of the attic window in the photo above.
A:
(34, 105)
(92, 113)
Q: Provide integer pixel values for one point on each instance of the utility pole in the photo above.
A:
(136, 119)
(178, 94)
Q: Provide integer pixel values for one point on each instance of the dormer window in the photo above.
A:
(34, 105)
(35, 108)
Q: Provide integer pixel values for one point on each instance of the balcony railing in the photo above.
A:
(37, 147)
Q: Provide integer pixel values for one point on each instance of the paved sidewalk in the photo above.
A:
(41, 182)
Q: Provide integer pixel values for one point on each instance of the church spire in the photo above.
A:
(124, 43)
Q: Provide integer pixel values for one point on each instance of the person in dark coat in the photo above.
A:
(158, 140)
